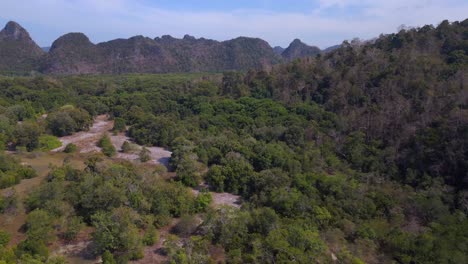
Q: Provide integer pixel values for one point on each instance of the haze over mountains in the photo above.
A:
(74, 53)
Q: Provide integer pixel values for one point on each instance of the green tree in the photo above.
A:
(119, 125)
(39, 226)
(27, 134)
(106, 145)
(145, 155)
(108, 258)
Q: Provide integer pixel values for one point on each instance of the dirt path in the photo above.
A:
(87, 142)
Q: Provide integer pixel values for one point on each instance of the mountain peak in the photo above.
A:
(14, 31)
(298, 49)
(17, 49)
(278, 50)
(297, 41)
(188, 37)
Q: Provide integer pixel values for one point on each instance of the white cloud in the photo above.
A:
(332, 22)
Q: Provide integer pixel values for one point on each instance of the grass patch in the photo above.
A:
(49, 142)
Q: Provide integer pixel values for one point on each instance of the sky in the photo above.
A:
(322, 23)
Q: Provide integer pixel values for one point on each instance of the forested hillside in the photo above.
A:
(74, 53)
(354, 156)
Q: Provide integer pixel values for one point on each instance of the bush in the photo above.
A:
(26, 172)
(202, 201)
(4, 238)
(27, 135)
(74, 226)
(108, 258)
(48, 142)
(8, 179)
(32, 247)
(68, 120)
(119, 125)
(106, 145)
(128, 147)
(39, 226)
(186, 226)
(70, 148)
(151, 236)
(145, 155)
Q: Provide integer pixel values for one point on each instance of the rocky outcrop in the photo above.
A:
(18, 52)
(74, 53)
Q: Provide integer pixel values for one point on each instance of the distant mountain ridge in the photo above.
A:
(18, 52)
(74, 53)
(298, 49)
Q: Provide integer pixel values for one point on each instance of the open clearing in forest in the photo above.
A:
(87, 142)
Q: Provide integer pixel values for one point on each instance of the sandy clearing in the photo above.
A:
(220, 199)
(87, 140)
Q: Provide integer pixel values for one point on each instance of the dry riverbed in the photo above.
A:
(87, 142)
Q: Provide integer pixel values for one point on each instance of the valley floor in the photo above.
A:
(79, 250)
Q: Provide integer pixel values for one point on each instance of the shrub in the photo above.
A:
(145, 155)
(202, 201)
(39, 225)
(108, 258)
(4, 238)
(119, 125)
(151, 236)
(74, 226)
(27, 135)
(128, 147)
(68, 120)
(33, 247)
(26, 172)
(186, 226)
(106, 145)
(70, 148)
(49, 142)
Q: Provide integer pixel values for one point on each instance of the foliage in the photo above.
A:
(360, 152)
(119, 125)
(27, 134)
(48, 142)
(144, 155)
(70, 148)
(151, 236)
(68, 120)
(106, 145)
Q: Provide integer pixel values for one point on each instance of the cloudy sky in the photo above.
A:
(316, 22)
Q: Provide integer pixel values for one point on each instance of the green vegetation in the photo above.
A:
(49, 142)
(70, 148)
(12, 172)
(360, 152)
(119, 125)
(145, 154)
(68, 120)
(106, 145)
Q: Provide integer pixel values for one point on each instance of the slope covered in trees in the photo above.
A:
(74, 53)
(358, 155)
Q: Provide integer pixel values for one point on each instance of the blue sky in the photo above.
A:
(317, 22)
